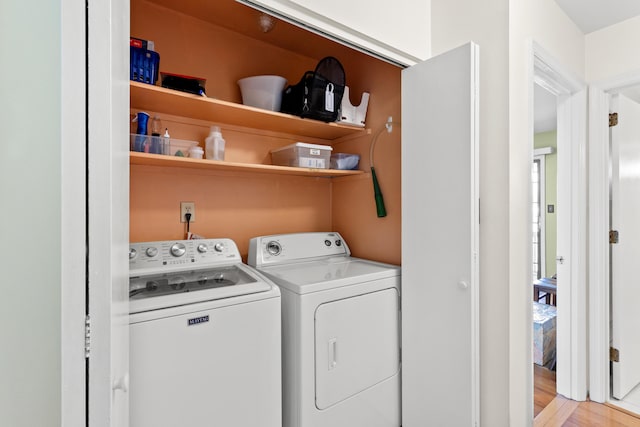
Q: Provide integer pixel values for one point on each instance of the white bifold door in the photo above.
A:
(625, 268)
(440, 220)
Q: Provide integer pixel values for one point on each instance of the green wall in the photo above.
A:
(541, 140)
(30, 217)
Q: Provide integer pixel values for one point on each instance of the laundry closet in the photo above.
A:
(245, 196)
(432, 222)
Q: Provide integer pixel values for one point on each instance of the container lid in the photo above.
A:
(304, 145)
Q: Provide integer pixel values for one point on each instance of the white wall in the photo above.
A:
(502, 28)
(42, 220)
(486, 23)
(612, 51)
(30, 218)
(545, 23)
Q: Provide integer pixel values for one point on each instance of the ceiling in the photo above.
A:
(589, 16)
(592, 15)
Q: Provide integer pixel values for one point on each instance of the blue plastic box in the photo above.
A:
(144, 65)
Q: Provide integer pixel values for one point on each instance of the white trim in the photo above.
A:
(577, 332)
(73, 236)
(599, 372)
(475, 237)
(552, 75)
(543, 151)
(572, 329)
(108, 157)
(303, 17)
(599, 298)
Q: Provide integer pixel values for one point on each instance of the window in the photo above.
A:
(537, 225)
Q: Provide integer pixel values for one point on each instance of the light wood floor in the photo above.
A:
(553, 410)
(544, 388)
(563, 412)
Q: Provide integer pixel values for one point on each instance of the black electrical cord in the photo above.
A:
(187, 216)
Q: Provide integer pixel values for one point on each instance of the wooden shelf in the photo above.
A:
(185, 162)
(168, 101)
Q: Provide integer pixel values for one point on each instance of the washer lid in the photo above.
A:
(158, 291)
(328, 273)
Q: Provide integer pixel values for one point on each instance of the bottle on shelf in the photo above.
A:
(166, 141)
(156, 126)
(158, 145)
(214, 144)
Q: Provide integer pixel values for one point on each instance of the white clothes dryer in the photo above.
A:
(340, 331)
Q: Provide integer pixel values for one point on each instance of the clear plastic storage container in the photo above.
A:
(302, 155)
(161, 145)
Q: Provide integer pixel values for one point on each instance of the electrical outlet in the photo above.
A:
(185, 208)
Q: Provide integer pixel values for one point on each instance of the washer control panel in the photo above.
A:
(173, 255)
(282, 248)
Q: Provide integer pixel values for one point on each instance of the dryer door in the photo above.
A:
(357, 345)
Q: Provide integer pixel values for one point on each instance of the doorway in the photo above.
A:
(605, 313)
(544, 241)
(624, 210)
(571, 321)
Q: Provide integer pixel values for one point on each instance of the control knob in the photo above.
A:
(151, 252)
(202, 248)
(178, 249)
(274, 248)
(132, 253)
(218, 247)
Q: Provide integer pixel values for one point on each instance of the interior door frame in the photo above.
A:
(599, 298)
(108, 211)
(571, 341)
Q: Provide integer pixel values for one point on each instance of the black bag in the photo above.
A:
(318, 95)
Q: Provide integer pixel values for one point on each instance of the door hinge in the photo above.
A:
(614, 354)
(614, 237)
(87, 336)
(613, 119)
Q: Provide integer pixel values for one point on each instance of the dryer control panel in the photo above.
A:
(285, 248)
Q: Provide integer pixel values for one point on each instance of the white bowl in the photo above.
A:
(262, 91)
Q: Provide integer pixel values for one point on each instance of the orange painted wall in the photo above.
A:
(239, 206)
(243, 205)
(353, 205)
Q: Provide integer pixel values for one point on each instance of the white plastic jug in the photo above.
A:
(214, 144)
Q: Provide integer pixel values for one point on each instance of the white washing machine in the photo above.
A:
(205, 346)
(340, 331)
